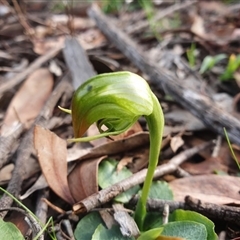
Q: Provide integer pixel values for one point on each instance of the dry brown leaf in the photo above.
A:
(52, 156)
(18, 219)
(93, 130)
(207, 166)
(198, 26)
(91, 38)
(6, 173)
(140, 159)
(134, 141)
(42, 47)
(176, 143)
(107, 217)
(83, 180)
(124, 162)
(29, 99)
(136, 128)
(209, 188)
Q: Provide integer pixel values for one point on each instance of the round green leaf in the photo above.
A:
(160, 190)
(181, 215)
(151, 234)
(87, 225)
(10, 231)
(108, 175)
(109, 234)
(186, 229)
(152, 220)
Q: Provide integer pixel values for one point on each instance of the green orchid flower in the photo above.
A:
(116, 101)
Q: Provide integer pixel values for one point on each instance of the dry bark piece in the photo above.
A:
(77, 62)
(7, 143)
(83, 180)
(52, 155)
(29, 100)
(128, 226)
(209, 188)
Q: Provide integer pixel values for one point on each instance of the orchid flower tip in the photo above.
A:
(65, 110)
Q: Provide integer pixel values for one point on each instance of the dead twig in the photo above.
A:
(41, 206)
(225, 213)
(7, 142)
(219, 212)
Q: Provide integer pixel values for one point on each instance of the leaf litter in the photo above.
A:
(74, 177)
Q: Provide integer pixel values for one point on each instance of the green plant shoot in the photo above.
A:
(231, 149)
(210, 61)
(232, 66)
(116, 101)
(191, 56)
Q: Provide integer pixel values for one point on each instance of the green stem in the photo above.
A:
(155, 123)
(91, 138)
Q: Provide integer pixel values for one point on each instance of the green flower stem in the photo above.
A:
(155, 123)
(116, 101)
(91, 138)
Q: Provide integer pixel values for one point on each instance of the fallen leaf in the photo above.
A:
(42, 47)
(6, 173)
(124, 162)
(198, 26)
(18, 219)
(29, 100)
(140, 159)
(207, 166)
(78, 23)
(92, 131)
(176, 143)
(134, 141)
(83, 180)
(209, 188)
(107, 217)
(136, 128)
(52, 156)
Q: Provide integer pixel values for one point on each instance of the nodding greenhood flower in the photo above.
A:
(116, 101)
